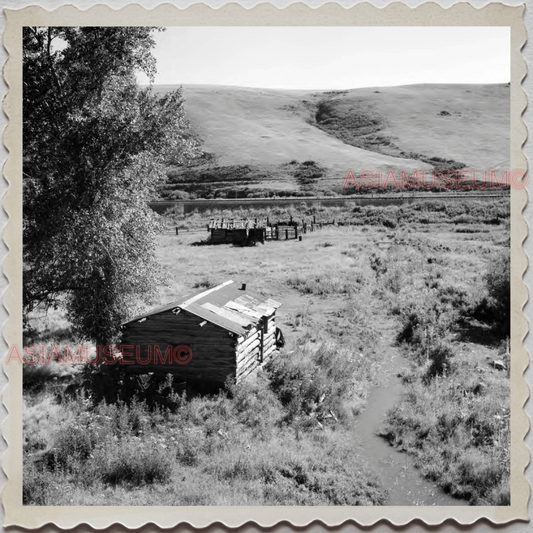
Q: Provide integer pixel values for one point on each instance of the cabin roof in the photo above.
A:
(227, 305)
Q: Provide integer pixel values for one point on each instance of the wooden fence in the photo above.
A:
(245, 232)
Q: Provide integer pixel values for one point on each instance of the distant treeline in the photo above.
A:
(462, 212)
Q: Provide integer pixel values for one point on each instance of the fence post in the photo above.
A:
(176, 231)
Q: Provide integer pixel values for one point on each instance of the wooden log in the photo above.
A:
(254, 342)
(250, 356)
(145, 352)
(269, 337)
(252, 360)
(177, 339)
(252, 349)
(269, 345)
(163, 336)
(270, 349)
(254, 353)
(244, 369)
(246, 372)
(244, 346)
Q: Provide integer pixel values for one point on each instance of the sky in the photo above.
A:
(331, 57)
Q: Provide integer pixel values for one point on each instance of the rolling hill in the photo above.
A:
(260, 142)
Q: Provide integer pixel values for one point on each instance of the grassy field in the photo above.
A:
(352, 297)
(256, 142)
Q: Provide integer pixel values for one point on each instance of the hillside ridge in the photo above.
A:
(266, 142)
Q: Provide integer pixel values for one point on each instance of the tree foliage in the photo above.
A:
(95, 145)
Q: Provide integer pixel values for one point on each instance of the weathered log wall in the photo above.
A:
(216, 353)
(255, 349)
(213, 348)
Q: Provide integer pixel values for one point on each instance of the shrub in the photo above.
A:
(326, 283)
(440, 360)
(35, 486)
(71, 447)
(314, 384)
(410, 325)
(378, 264)
(133, 463)
(388, 222)
(498, 283)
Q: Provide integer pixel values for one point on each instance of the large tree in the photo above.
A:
(95, 146)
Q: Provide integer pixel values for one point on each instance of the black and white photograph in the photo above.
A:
(266, 266)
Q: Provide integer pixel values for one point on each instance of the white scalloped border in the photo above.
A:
(199, 517)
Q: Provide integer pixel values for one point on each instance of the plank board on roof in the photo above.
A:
(248, 301)
(272, 303)
(265, 309)
(226, 313)
(215, 319)
(234, 306)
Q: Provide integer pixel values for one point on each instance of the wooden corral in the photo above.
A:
(283, 232)
(249, 232)
(224, 332)
(239, 236)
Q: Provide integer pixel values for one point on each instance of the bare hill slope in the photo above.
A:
(251, 136)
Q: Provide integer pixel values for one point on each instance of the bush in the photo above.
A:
(133, 463)
(314, 384)
(34, 486)
(440, 360)
(71, 447)
(498, 283)
(388, 222)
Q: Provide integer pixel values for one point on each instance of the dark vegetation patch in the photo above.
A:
(307, 174)
(209, 182)
(360, 126)
(462, 214)
(242, 181)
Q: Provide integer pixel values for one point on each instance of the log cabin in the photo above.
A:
(204, 338)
